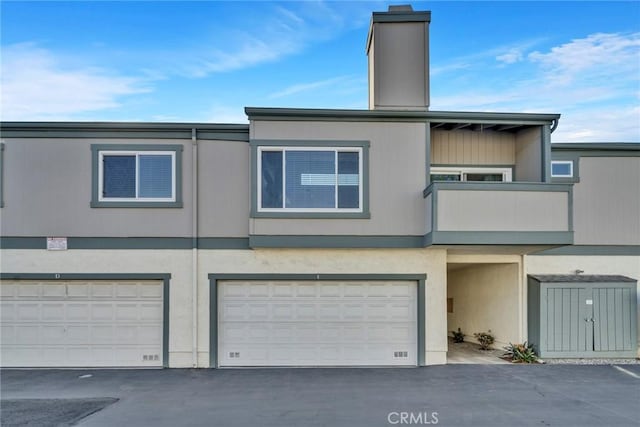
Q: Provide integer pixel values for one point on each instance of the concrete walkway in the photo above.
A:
(466, 352)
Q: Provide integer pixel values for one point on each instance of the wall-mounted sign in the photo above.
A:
(56, 243)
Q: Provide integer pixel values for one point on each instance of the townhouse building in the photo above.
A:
(316, 237)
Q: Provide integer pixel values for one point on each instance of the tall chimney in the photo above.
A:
(398, 51)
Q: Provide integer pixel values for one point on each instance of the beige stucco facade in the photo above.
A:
(179, 263)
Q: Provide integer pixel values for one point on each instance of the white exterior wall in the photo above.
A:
(178, 263)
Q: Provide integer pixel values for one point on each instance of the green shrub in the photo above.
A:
(485, 339)
(458, 336)
(521, 353)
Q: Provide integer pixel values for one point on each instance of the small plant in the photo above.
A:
(458, 336)
(485, 339)
(520, 353)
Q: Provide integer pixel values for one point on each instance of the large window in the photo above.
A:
(145, 176)
(471, 174)
(310, 179)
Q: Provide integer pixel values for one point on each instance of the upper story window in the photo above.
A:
(562, 168)
(310, 179)
(136, 176)
(471, 174)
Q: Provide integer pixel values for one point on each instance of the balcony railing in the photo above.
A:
(499, 213)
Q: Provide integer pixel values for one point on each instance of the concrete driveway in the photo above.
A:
(452, 395)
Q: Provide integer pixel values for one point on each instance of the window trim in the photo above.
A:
(257, 146)
(507, 172)
(98, 152)
(565, 162)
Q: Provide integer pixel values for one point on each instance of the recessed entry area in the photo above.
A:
(483, 297)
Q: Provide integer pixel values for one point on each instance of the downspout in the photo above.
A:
(194, 247)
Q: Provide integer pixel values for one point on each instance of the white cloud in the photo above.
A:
(281, 32)
(36, 86)
(592, 81)
(510, 57)
(593, 58)
(311, 86)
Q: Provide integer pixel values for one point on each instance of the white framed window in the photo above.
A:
(562, 168)
(310, 179)
(136, 176)
(471, 174)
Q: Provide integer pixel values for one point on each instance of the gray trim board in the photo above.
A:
(632, 148)
(295, 114)
(334, 241)
(1, 175)
(546, 153)
(223, 243)
(363, 144)
(165, 277)
(124, 130)
(95, 178)
(401, 16)
(497, 186)
(499, 238)
(214, 278)
(129, 243)
(593, 250)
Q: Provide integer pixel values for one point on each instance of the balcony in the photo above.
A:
(498, 213)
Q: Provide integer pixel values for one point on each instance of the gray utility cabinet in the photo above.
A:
(582, 315)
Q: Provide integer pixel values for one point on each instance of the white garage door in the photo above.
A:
(81, 324)
(323, 323)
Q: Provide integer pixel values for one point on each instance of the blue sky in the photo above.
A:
(205, 61)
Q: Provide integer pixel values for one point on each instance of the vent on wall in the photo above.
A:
(234, 354)
(400, 354)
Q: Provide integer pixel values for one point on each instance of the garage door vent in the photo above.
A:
(234, 354)
(400, 354)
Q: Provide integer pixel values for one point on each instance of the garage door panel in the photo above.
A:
(306, 290)
(77, 334)
(275, 323)
(26, 334)
(127, 312)
(127, 290)
(78, 312)
(283, 290)
(77, 290)
(54, 291)
(53, 311)
(354, 312)
(77, 324)
(28, 311)
(100, 290)
(149, 335)
(29, 290)
(150, 292)
(7, 312)
(102, 312)
(283, 311)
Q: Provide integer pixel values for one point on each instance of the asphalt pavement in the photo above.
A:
(451, 395)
